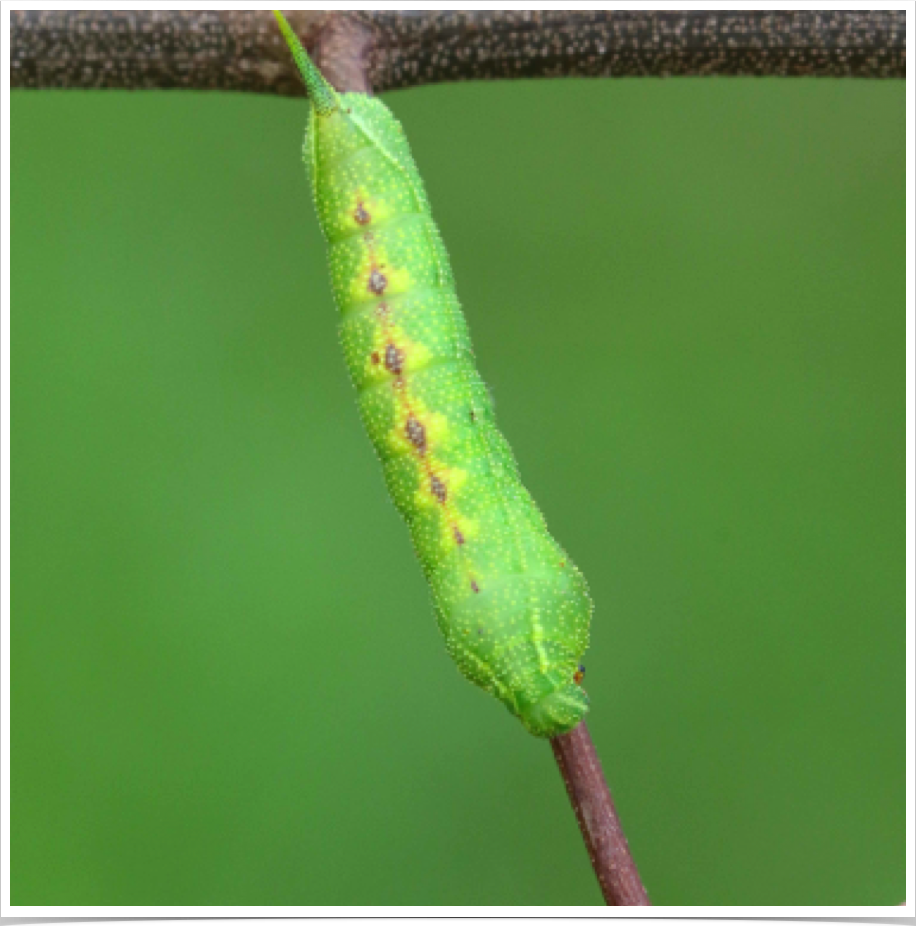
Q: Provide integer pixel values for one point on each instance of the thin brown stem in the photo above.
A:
(241, 49)
(604, 838)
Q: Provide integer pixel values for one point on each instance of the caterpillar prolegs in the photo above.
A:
(513, 608)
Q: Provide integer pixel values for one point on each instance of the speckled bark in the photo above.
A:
(242, 50)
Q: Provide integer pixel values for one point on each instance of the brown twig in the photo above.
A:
(241, 50)
(604, 838)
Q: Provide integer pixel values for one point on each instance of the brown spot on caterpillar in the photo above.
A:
(361, 216)
(375, 357)
(438, 488)
(377, 282)
(382, 310)
(459, 537)
(394, 359)
(475, 588)
(579, 674)
(416, 434)
(473, 415)
(563, 563)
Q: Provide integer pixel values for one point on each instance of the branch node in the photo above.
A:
(343, 52)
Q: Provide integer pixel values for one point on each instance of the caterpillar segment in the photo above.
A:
(512, 607)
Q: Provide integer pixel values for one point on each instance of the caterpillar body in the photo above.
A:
(512, 607)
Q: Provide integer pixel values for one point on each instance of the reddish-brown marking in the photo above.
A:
(375, 357)
(361, 216)
(563, 563)
(438, 488)
(416, 434)
(579, 674)
(394, 360)
(377, 281)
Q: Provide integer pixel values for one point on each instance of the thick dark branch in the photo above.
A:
(242, 50)
(604, 838)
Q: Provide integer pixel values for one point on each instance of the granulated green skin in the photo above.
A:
(513, 608)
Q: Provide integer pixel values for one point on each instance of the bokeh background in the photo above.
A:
(228, 686)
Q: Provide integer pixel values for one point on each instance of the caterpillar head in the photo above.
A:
(556, 713)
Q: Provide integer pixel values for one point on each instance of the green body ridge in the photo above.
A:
(513, 608)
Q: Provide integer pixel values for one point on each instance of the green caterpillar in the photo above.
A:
(513, 608)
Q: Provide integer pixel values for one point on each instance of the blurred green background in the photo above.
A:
(228, 685)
